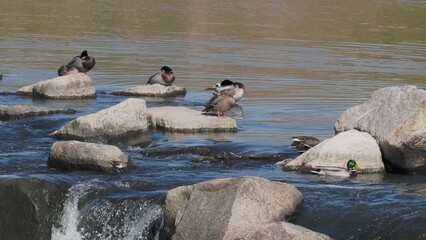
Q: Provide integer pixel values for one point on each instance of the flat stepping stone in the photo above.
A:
(122, 120)
(183, 119)
(154, 90)
(73, 86)
(75, 155)
(14, 112)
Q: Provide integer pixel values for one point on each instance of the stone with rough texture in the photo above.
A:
(182, 119)
(30, 207)
(125, 119)
(14, 112)
(73, 86)
(75, 155)
(396, 117)
(287, 231)
(336, 152)
(154, 90)
(234, 208)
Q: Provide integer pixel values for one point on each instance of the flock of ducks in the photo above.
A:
(225, 96)
(225, 93)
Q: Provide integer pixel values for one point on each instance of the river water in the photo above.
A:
(302, 62)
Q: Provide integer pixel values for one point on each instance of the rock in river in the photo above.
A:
(29, 207)
(75, 155)
(336, 151)
(396, 117)
(183, 119)
(14, 112)
(154, 90)
(125, 119)
(73, 86)
(235, 208)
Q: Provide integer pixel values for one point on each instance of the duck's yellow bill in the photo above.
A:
(357, 167)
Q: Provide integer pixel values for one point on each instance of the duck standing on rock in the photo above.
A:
(351, 170)
(304, 143)
(164, 77)
(82, 63)
(221, 102)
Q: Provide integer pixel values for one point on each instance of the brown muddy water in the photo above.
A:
(302, 62)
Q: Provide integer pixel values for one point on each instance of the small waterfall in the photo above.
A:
(103, 215)
(68, 225)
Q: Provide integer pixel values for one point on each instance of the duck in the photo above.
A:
(350, 171)
(304, 143)
(237, 88)
(82, 63)
(220, 104)
(67, 70)
(164, 77)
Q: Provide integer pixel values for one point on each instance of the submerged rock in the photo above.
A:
(234, 208)
(182, 119)
(75, 155)
(13, 112)
(74, 86)
(396, 117)
(29, 207)
(336, 151)
(125, 119)
(154, 90)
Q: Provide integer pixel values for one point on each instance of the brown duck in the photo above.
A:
(82, 63)
(164, 77)
(304, 143)
(228, 85)
(220, 103)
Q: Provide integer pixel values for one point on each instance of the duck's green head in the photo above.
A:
(352, 165)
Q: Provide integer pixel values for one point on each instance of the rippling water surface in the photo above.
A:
(302, 62)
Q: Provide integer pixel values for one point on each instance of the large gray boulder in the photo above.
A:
(75, 155)
(73, 86)
(29, 207)
(125, 119)
(183, 119)
(14, 112)
(234, 208)
(154, 90)
(336, 152)
(396, 117)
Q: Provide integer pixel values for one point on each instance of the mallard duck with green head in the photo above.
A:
(351, 170)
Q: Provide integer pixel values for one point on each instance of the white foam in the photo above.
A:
(68, 226)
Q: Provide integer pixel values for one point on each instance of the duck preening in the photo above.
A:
(220, 104)
(82, 63)
(304, 143)
(225, 95)
(164, 77)
(236, 89)
(351, 170)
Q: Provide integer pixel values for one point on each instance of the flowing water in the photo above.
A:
(302, 62)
